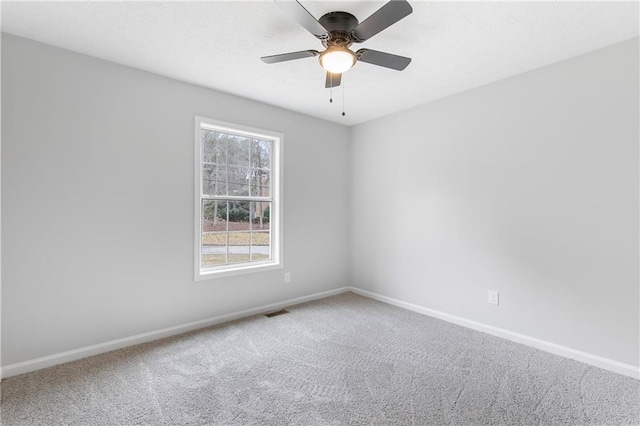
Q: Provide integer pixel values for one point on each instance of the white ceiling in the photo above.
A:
(455, 46)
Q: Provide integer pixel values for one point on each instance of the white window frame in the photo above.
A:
(275, 212)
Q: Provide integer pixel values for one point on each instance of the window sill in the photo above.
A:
(211, 274)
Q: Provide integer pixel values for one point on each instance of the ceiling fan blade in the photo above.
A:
(382, 18)
(306, 19)
(332, 80)
(289, 56)
(383, 59)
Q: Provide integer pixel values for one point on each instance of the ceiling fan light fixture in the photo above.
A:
(337, 59)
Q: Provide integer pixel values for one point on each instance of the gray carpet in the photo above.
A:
(341, 360)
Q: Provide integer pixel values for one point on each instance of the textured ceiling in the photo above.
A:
(455, 46)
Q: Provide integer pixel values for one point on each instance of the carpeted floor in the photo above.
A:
(341, 360)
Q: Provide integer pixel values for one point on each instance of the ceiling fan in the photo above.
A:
(338, 31)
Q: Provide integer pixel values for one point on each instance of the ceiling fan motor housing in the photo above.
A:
(340, 26)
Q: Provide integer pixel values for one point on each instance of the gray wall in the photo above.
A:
(528, 186)
(97, 199)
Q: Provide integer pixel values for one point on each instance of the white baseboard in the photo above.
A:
(73, 355)
(60, 358)
(596, 361)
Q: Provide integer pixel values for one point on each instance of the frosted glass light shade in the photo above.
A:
(337, 59)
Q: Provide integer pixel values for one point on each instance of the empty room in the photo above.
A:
(320, 213)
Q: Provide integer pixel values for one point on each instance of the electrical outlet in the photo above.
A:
(494, 297)
(287, 277)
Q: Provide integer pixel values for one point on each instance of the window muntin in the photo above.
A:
(237, 178)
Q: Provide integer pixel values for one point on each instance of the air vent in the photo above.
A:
(276, 313)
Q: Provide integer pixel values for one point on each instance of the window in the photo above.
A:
(238, 208)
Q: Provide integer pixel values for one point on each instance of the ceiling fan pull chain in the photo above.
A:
(343, 86)
(331, 88)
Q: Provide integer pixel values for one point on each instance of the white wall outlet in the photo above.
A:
(287, 277)
(494, 297)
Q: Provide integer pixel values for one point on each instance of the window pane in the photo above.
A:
(238, 151)
(214, 171)
(260, 168)
(214, 179)
(260, 182)
(214, 233)
(238, 178)
(239, 231)
(261, 154)
(214, 147)
(260, 231)
(213, 259)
